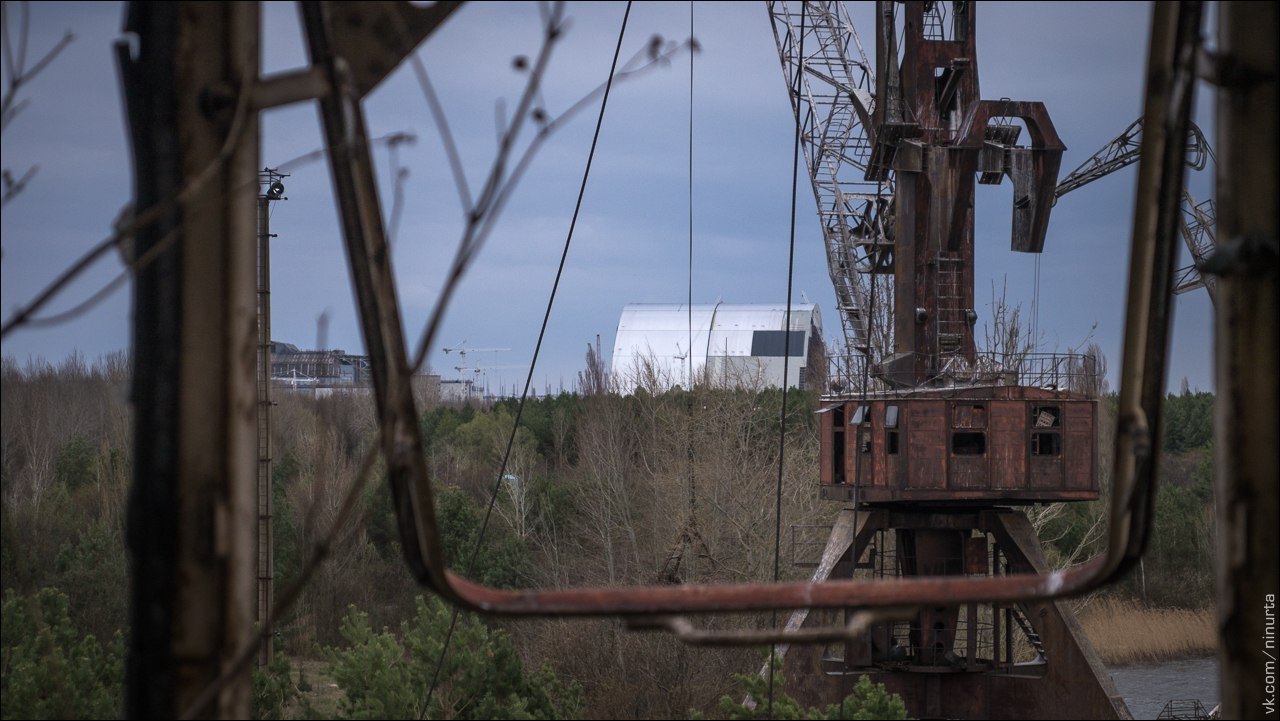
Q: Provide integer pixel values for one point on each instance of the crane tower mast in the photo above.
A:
(893, 165)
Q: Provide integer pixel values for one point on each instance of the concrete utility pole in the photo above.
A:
(191, 509)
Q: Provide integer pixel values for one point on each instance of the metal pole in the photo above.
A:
(266, 556)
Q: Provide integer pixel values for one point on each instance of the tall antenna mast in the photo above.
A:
(270, 188)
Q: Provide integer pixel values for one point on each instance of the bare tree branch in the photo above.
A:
(499, 186)
(23, 315)
(124, 231)
(19, 75)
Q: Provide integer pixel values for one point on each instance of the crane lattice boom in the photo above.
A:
(832, 85)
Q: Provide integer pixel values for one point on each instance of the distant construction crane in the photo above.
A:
(462, 350)
(482, 372)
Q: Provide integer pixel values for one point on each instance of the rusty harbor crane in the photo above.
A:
(931, 444)
(933, 449)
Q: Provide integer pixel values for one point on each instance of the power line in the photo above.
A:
(786, 355)
(524, 395)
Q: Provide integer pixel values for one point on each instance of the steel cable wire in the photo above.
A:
(515, 426)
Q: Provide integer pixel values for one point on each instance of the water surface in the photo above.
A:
(1147, 688)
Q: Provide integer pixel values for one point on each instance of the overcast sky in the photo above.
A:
(1084, 60)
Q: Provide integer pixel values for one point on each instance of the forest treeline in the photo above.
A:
(669, 487)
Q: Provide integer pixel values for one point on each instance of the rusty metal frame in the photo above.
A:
(369, 260)
(1031, 168)
(1171, 75)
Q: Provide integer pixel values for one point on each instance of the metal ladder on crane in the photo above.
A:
(951, 320)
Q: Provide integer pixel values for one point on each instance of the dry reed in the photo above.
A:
(1124, 631)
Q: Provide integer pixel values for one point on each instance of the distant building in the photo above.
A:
(292, 367)
(459, 392)
(323, 373)
(729, 346)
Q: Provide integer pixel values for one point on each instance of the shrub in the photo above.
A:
(868, 700)
(385, 676)
(50, 670)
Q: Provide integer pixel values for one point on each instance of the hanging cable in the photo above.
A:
(524, 395)
(689, 350)
(1035, 306)
(858, 441)
(786, 354)
(692, 524)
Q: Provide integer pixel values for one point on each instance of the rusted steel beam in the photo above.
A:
(762, 597)
(934, 681)
(1033, 169)
(369, 260)
(854, 629)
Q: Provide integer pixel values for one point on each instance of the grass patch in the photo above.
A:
(1125, 632)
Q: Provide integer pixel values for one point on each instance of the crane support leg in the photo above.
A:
(1023, 661)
